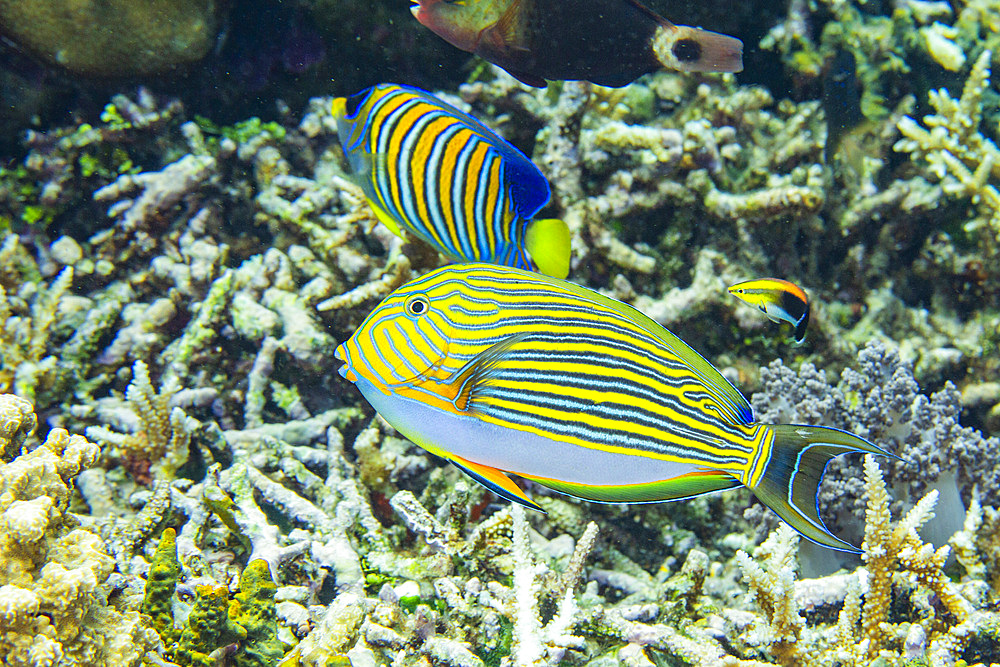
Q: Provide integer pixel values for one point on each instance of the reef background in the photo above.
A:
(182, 252)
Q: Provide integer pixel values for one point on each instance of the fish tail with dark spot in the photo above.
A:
(688, 49)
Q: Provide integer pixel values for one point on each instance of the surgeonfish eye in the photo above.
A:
(417, 305)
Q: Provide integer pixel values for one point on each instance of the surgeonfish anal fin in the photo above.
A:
(790, 481)
(496, 481)
(685, 486)
(548, 243)
(466, 379)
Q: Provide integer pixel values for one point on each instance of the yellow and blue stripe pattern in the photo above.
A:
(442, 175)
(500, 370)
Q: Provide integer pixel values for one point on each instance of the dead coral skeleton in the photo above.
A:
(158, 433)
(957, 153)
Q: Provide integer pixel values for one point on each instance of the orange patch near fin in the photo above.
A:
(496, 481)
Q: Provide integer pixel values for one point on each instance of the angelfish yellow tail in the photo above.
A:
(548, 243)
(794, 469)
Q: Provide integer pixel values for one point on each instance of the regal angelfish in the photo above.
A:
(442, 175)
(500, 370)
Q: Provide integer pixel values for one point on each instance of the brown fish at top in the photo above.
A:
(607, 42)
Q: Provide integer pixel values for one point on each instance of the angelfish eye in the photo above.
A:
(417, 305)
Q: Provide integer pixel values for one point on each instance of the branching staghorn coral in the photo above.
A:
(956, 152)
(27, 317)
(771, 585)
(898, 563)
(159, 433)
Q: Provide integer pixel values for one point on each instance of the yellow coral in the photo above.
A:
(17, 421)
(51, 607)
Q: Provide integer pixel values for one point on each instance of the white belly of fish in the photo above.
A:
(510, 450)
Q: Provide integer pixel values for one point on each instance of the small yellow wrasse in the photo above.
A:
(500, 370)
(440, 174)
(779, 299)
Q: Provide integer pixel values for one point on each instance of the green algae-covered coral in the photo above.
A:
(52, 606)
(208, 628)
(215, 620)
(161, 582)
(112, 37)
(253, 609)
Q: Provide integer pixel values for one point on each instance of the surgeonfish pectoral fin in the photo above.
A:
(548, 244)
(690, 49)
(496, 481)
(463, 382)
(790, 481)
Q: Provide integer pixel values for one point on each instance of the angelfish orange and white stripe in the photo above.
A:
(500, 370)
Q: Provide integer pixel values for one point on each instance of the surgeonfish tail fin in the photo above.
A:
(688, 49)
(548, 243)
(790, 481)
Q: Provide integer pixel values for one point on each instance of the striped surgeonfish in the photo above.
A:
(440, 174)
(500, 370)
(779, 299)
